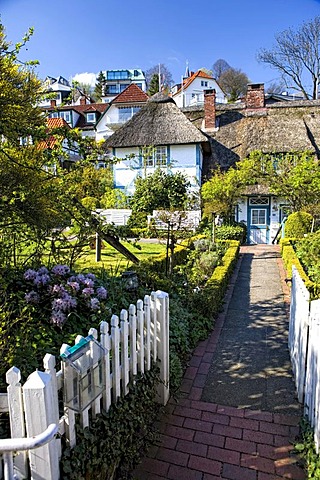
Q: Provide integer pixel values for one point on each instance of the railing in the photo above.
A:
(11, 445)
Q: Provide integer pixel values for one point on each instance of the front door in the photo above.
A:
(258, 219)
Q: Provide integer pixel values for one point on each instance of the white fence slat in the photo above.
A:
(49, 363)
(140, 337)
(146, 305)
(16, 415)
(37, 398)
(116, 375)
(314, 392)
(163, 346)
(124, 332)
(298, 328)
(106, 344)
(154, 325)
(133, 340)
(69, 415)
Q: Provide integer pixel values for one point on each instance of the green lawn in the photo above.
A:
(116, 263)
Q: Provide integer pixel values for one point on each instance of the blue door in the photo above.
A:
(258, 219)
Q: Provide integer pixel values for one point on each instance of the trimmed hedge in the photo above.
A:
(290, 258)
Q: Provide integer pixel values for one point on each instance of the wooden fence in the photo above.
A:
(304, 346)
(94, 373)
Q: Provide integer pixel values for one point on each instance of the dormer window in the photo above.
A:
(91, 117)
(66, 116)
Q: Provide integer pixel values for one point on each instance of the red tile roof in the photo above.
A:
(189, 80)
(132, 94)
(50, 141)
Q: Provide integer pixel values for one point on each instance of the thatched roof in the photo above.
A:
(291, 126)
(159, 122)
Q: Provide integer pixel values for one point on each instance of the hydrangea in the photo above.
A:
(94, 304)
(102, 293)
(61, 270)
(43, 279)
(73, 285)
(32, 297)
(86, 292)
(58, 317)
(88, 282)
(30, 274)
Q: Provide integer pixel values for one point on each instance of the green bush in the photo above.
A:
(298, 224)
(290, 259)
(232, 232)
(308, 252)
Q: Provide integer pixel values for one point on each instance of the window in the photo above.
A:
(125, 113)
(66, 116)
(154, 157)
(259, 200)
(112, 89)
(258, 216)
(91, 117)
(204, 83)
(123, 86)
(160, 156)
(117, 75)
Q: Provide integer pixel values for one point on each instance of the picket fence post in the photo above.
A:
(40, 410)
(162, 307)
(105, 342)
(16, 415)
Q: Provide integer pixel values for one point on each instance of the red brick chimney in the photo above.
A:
(83, 100)
(255, 95)
(210, 109)
(53, 103)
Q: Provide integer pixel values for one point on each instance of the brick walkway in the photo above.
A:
(207, 441)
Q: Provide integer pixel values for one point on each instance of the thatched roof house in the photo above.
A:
(254, 124)
(159, 122)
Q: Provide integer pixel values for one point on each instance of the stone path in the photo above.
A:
(237, 415)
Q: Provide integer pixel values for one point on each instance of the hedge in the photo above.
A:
(290, 259)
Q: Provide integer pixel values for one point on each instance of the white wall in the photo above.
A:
(193, 94)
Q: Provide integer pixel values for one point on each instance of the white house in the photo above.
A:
(191, 91)
(118, 80)
(159, 135)
(120, 110)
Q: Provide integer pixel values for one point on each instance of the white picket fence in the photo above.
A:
(130, 345)
(304, 346)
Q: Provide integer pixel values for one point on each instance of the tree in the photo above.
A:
(234, 83)
(219, 67)
(153, 85)
(160, 191)
(166, 76)
(99, 88)
(276, 87)
(296, 55)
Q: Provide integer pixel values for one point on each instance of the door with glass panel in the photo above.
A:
(258, 219)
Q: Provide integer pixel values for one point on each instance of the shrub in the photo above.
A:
(298, 224)
(308, 252)
(232, 232)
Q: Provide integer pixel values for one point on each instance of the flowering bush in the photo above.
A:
(64, 292)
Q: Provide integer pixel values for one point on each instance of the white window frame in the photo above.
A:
(91, 117)
(259, 212)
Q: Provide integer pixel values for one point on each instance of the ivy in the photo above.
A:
(115, 441)
(307, 451)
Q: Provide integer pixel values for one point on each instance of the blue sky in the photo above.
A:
(76, 36)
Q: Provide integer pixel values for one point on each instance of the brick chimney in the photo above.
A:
(210, 109)
(83, 100)
(53, 103)
(255, 95)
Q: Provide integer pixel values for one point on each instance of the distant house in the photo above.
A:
(159, 135)
(258, 123)
(83, 116)
(191, 91)
(121, 109)
(59, 87)
(118, 80)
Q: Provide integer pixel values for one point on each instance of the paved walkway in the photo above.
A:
(237, 414)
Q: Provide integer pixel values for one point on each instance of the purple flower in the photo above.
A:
(30, 274)
(102, 293)
(58, 317)
(91, 276)
(86, 292)
(43, 271)
(74, 285)
(88, 282)
(80, 278)
(32, 297)
(94, 304)
(60, 270)
(43, 279)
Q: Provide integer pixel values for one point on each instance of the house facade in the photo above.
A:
(191, 91)
(118, 80)
(158, 136)
(275, 128)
